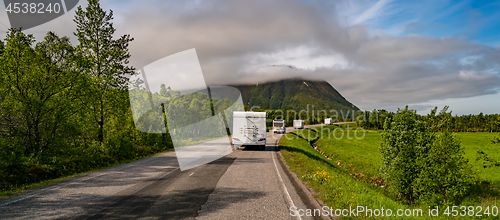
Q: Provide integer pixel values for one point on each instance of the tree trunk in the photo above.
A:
(100, 136)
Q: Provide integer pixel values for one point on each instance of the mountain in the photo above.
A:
(295, 93)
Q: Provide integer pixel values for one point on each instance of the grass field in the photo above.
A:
(351, 177)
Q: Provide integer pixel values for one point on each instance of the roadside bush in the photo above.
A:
(405, 140)
(11, 162)
(424, 166)
(17, 170)
(487, 160)
(84, 158)
(10, 153)
(495, 140)
(120, 148)
(446, 176)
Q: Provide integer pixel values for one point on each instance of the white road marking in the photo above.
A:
(191, 174)
(50, 189)
(21, 199)
(283, 183)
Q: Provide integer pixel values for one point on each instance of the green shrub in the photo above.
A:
(120, 148)
(424, 166)
(404, 141)
(495, 140)
(446, 176)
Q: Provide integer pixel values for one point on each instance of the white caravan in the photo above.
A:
(249, 128)
(298, 124)
(279, 126)
(328, 121)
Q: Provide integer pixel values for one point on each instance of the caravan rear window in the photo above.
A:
(278, 124)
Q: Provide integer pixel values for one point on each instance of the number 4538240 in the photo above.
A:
(33, 8)
(471, 211)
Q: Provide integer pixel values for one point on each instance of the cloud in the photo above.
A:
(241, 42)
(372, 11)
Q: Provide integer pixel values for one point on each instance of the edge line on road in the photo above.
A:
(281, 179)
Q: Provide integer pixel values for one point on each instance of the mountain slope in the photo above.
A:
(295, 93)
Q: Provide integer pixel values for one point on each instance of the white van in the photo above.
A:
(279, 126)
(328, 121)
(298, 124)
(249, 128)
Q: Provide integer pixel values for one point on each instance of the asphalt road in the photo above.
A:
(253, 187)
(245, 184)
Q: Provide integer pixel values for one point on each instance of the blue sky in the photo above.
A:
(476, 20)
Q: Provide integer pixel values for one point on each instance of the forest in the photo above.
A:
(64, 108)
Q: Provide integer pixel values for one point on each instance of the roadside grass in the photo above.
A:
(352, 177)
(358, 154)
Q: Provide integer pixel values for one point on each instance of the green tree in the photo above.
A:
(418, 164)
(374, 119)
(104, 59)
(404, 141)
(36, 91)
(446, 175)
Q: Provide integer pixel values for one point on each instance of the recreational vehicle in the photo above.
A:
(298, 124)
(328, 121)
(279, 126)
(249, 128)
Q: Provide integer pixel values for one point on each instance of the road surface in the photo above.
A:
(245, 184)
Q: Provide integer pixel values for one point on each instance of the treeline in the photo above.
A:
(465, 123)
(65, 108)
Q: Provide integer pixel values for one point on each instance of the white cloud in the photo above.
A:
(473, 75)
(301, 57)
(372, 11)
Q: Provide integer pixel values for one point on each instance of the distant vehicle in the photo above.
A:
(279, 126)
(249, 128)
(298, 124)
(328, 121)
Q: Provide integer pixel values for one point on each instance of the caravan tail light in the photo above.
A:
(236, 139)
(262, 139)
